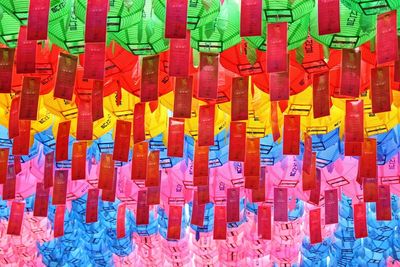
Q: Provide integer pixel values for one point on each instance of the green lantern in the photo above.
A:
(296, 13)
(9, 29)
(121, 15)
(145, 37)
(68, 32)
(220, 34)
(297, 34)
(355, 29)
(199, 12)
(371, 7)
(19, 9)
(286, 10)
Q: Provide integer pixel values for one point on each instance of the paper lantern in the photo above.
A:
(68, 31)
(145, 37)
(243, 60)
(299, 79)
(198, 14)
(220, 34)
(46, 69)
(371, 7)
(355, 29)
(9, 29)
(121, 14)
(297, 34)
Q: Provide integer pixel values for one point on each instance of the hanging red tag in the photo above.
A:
(109, 195)
(84, 129)
(237, 141)
(239, 99)
(176, 137)
(176, 19)
(203, 194)
(384, 204)
(139, 161)
(252, 163)
(48, 170)
(153, 195)
(59, 221)
(328, 17)
(219, 223)
(60, 187)
(41, 205)
(26, 53)
(354, 121)
(183, 97)
(315, 226)
(280, 204)
(200, 165)
(198, 210)
(277, 55)
(309, 180)
(97, 100)
(13, 119)
(78, 168)
(386, 37)
(121, 221)
(274, 121)
(153, 169)
(250, 18)
(352, 149)
(321, 96)
(6, 67)
(368, 168)
(17, 164)
(315, 193)
(38, 19)
(331, 206)
(258, 195)
(142, 210)
(106, 175)
(122, 141)
(174, 223)
(279, 88)
(21, 142)
(62, 140)
(16, 218)
(360, 220)
(232, 204)
(381, 94)
(264, 220)
(95, 57)
(208, 76)
(206, 125)
(92, 205)
(139, 123)
(28, 107)
(96, 21)
(370, 189)
(291, 135)
(350, 74)
(66, 74)
(179, 56)
(4, 153)
(307, 155)
(10, 184)
(149, 86)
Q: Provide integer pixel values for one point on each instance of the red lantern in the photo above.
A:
(46, 69)
(236, 59)
(299, 78)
